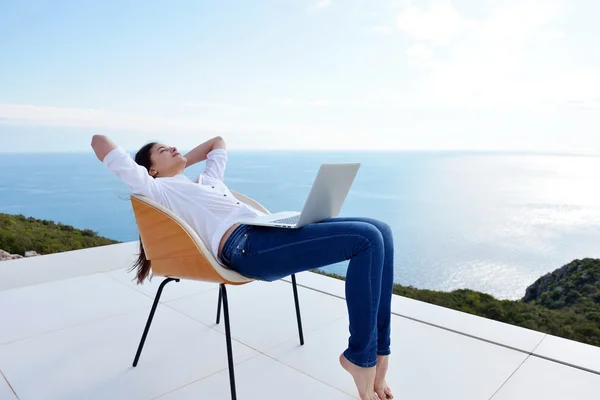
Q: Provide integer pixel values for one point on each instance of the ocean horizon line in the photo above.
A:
(388, 151)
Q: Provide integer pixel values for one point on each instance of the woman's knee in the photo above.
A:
(370, 233)
(383, 227)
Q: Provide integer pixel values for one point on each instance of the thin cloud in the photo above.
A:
(439, 23)
(320, 5)
(419, 51)
(383, 29)
(230, 107)
(589, 105)
(294, 102)
(32, 115)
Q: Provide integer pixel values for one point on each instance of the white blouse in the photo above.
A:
(207, 206)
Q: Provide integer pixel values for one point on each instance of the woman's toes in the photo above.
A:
(388, 393)
(384, 392)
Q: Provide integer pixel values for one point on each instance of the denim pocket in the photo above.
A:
(240, 245)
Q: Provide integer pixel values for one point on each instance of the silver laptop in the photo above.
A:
(325, 200)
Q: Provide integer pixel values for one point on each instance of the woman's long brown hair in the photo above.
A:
(142, 265)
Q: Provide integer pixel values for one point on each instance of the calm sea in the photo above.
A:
(485, 221)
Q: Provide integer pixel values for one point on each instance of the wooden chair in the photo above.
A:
(176, 252)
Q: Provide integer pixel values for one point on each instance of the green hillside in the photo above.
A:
(19, 234)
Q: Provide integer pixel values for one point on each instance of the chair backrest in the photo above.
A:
(175, 249)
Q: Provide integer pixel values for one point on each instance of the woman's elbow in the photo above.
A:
(219, 143)
(102, 145)
(97, 139)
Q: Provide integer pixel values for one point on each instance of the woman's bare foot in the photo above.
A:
(381, 388)
(364, 378)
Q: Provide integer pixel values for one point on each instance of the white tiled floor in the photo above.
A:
(263, 315)
(70, 264)
(33, 310)
(320, 282)
(541, 379)
(274, 381)
(5, 392)
(171, 291)
(35, 270)
(75, 338)
(570, 352)
(497, 332)
(426, 363)
(93, 361)
(109, 258)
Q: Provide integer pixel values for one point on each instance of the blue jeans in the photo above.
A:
(273, 253)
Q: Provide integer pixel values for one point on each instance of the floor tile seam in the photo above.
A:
(153, 297)
(135, 289)
(567, 364)
(76, 325)
(9, 385)
(303, 331)
(94, 272)
(306, 374)
(519, 367)
(213, 328)
(203, 378)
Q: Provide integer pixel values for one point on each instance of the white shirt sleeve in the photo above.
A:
(120, 163)
(216, 160)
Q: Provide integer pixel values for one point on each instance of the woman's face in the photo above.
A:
(166, 161)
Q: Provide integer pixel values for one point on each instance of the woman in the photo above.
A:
(269, 253)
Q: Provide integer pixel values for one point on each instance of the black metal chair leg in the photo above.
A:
(219, 306)
(154, 305)
(228, 339)
(298, 310)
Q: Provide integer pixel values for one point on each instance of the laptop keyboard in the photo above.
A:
(291, 220)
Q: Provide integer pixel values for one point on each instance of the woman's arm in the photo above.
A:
(200, 152)
(120, 163)
(102, 145)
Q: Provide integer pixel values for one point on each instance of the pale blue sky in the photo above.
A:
(298, 74)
